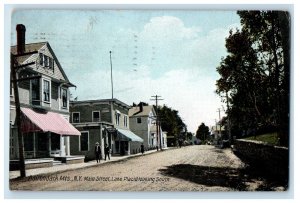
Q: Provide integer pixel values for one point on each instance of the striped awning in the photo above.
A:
(127, 135)
(36, 121)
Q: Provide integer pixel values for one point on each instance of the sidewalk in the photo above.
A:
(66, 167)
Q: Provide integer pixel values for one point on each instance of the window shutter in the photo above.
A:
(41, 58)
(50, 63)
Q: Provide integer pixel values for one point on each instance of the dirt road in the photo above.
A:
(192, 168)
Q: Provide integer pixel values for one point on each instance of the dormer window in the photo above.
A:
(46, 61)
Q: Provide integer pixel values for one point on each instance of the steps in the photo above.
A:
(55, 163)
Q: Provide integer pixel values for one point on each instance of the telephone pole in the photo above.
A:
(157, 121)
(14, 67)
(228, 119)
(18, 115)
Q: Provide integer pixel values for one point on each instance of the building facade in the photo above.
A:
(104, 121)
(142, 119)
(216, 132)
(44, 102)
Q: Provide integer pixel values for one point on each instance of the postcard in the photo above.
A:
(153, 100)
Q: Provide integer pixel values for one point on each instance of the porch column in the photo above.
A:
(62, 146)
(101, 141)
(67, 141)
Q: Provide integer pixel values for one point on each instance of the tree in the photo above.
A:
(189, 135)
(270, 32)
(255, 74)
(202, 132)
(171, 122)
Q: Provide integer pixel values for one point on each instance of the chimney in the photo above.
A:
(141, 106)
(20, 38)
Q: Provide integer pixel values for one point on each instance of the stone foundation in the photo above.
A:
(273, 160)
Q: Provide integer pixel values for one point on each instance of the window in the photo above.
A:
(42, 141)
(84, 141)
(35, 91)
(46, 91)
(117, 118)
(76, 117)
(64, 98)
(96, 116)
(125, 121)
(28, 142)
(46, 61)
(139, 120)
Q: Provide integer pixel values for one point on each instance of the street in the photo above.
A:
(191, 168)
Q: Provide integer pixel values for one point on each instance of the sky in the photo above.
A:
(170, 53)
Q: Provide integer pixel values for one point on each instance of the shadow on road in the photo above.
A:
(209, 176)
(236, 179)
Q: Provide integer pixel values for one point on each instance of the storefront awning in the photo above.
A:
(127, 135)
(33, 121)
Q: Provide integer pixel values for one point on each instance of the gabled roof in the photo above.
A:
(36, 47)
(28, 48)
(135, 111)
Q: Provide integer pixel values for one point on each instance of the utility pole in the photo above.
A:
(111, 77)
(14, 66)
(228, 119)
(157, 121)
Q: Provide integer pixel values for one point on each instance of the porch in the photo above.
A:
(45, 135)
(46, 162)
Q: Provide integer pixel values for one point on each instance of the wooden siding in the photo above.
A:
(94, 136)
(56, 73)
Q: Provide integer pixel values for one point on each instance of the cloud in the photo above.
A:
(168, 28)
(183, 71)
